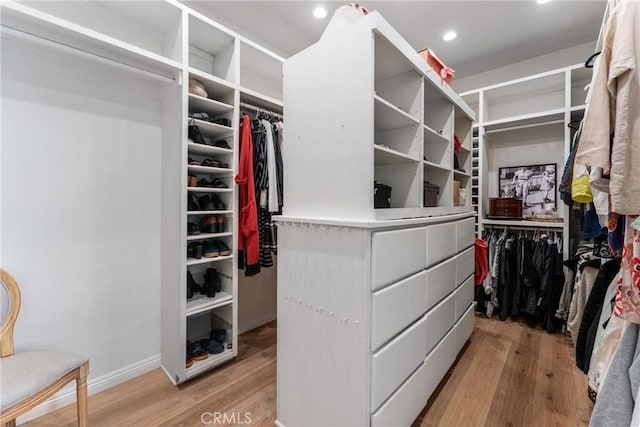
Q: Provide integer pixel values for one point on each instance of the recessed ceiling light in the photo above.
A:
(543, 1)
(320, 12)
(449, 35)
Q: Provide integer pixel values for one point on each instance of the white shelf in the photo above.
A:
(223, 212)
(525, 120)
(579, 107)
(387, 156)
(207, 149)
(199, 104)
(259, 99)
(388, 116)
(200, 303)
(433, 137)
(429, 164)
(203, 260)
(200, 366)
(212, 129)
(215, 86)
(206, 236)
(522, 223)
(209, 170)
(46, 26)
(461, 174)
(209, 190)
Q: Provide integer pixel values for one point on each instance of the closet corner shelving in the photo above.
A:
(170, 43)
(395, 125)
(524, 122)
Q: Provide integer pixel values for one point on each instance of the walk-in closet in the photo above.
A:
(319, 213)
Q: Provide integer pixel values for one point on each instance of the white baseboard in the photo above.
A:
(256, 323)
(67, 395)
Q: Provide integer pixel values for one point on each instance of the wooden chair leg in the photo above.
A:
(81, 396)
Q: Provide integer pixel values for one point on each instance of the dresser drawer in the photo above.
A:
(465, 233)
(397, 254)
(397, 306)
(397, 360)
(464, 297)
(406, 403)
(441, 242)
(439, 361)
(440, 319)
(441, 281)
(465, 265)
(464, 329)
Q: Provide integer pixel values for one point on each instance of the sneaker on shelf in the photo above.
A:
(223, 249)
(210, 250)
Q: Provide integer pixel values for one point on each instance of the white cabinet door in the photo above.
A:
(396, 361)
(441, 242)
(441, 281)
(465, 234)
(397, 254)
(396, 307)
(465, 265)
(440, 319)
(464, 297)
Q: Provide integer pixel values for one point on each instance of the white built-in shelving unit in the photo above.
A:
(169, 43)
(525, 122)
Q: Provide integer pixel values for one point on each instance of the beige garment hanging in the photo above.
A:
(614, 107)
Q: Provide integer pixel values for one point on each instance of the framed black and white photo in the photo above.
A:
(535, 185)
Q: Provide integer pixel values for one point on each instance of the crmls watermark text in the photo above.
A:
(225, 418)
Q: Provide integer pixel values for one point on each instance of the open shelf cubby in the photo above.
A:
(580, 78)
(211, 50)
(404, 180)
(260, 71)
(441, 178)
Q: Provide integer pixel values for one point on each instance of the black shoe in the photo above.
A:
(195, 135)
(192, 286)
(219, 335)
(218, 203)
(194, 250)
(200, 116)
(206, 203)
(222, 121)
(222, 144)
(192, 201)
(192, 229)
(212, 283)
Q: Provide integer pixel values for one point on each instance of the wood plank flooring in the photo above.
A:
(509, 374)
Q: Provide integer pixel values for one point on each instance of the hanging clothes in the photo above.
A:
(248, 238)
(614, 109)
(272, 201)
(628, 296)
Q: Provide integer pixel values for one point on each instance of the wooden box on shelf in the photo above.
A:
(456, 193)
(503, 207)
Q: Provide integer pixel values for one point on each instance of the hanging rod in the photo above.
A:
(259, 109)
(525, 227)
(84, 53)
(524, 126)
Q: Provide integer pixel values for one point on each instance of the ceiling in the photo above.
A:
(491, 34)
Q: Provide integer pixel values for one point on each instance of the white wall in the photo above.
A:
(561, 58)
(257, 298)
(80, 196)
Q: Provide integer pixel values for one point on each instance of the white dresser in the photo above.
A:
(370, 316)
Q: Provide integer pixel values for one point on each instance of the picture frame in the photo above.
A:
(535, 185)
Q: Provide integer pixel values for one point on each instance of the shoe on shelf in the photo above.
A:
(195, 135)
(221, 224)
(212, 283)
(215, 183)
(193, 202)
(200, 116)
(196, 351)
(218, 203)
(206, 203)
(222, 121)
(214, 163)
(194, 250)
(209, 224)
(213, 346)
(219, 335)
(192, 229)
(222, 144)
(212, 277)
(193, 181)
(193, 162)
(223, 249)
(210, 250)
(192, 286)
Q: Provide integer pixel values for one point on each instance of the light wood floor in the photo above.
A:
(509, 374)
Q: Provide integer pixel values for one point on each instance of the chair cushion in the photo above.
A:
(24, 374)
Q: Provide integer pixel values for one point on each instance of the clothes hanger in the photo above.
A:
(591, 60)
(574, 127)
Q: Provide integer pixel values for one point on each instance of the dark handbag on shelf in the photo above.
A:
(381, 196)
